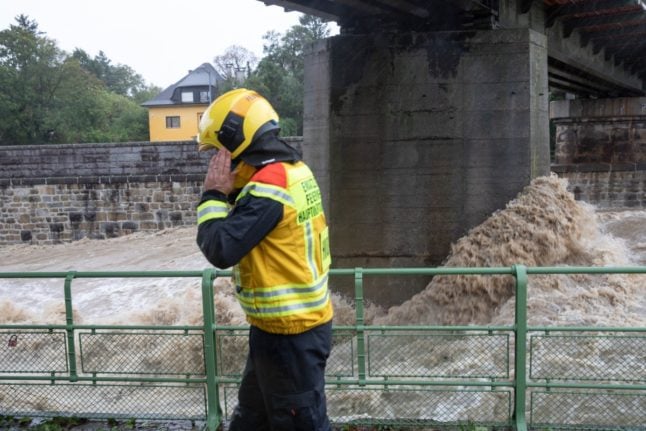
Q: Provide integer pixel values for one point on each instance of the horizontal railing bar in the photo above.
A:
(141, 327)
(425, 271)
(110, 274)
(423, 328)
(585, 329)
(344, 382)
(34, 327)
(587, 270)
(103, 379)
(346, 271)
(492, 270)
(106, 327)
(552, 385)
(370, 382)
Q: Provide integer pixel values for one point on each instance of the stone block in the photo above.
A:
(148, 225)
(130, 226)
(56, 227)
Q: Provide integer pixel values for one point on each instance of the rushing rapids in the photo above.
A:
(543, 226)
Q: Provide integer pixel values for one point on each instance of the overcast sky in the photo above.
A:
(160, 39)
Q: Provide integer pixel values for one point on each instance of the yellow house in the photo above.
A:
(173, 115)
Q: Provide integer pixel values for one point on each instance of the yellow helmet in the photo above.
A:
(233, 121)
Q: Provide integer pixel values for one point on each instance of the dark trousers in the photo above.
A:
(283, 384)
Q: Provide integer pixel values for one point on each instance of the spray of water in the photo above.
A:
(542, 226)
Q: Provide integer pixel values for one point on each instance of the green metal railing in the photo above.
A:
(409, 376)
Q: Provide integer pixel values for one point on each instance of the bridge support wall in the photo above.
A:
(418, 137)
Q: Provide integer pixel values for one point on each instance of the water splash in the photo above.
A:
(543, 226)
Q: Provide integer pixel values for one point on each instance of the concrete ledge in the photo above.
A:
(598, 167)
(595, 108)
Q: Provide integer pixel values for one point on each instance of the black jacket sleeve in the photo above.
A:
(226, 240)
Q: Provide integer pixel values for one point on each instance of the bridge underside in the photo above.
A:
(595, 47)
(422, 118)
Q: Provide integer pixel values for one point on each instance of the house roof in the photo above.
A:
(202, 76)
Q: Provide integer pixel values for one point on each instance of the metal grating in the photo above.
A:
(444, 355)
(233, 345)
(25, 351)
(104, 401)
(142, 353)
(582, 357)
(588, 410)
(407, 407)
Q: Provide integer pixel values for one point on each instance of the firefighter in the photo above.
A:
(261, 212)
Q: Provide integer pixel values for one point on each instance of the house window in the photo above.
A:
(172, 122)
(187, 96)
(204, 97)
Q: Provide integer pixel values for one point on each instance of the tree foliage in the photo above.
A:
(119, 78)
(279, 74)
(52, 97)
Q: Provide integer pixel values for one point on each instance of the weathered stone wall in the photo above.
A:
(600, 131)
(96, 163)
(59, 193)
(52, 213)
(606, 186)
(600, 147)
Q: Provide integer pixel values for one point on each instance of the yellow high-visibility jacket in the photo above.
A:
(282, 282)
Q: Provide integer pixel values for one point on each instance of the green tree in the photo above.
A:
(117, 78)
(279, 75)
(92, 113)
(30, 73)
(149, 92)
(51, 97)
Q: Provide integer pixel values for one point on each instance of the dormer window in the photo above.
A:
(187, 97)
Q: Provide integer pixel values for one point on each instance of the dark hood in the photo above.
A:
(270, 148)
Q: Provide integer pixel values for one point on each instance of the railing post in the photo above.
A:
(69, 325)
(361, 343)
(520, 348)
(213, 412)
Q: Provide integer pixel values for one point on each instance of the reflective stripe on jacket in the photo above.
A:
(210, 210)
(281, 283)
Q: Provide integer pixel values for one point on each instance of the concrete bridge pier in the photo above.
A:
(418, 137)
